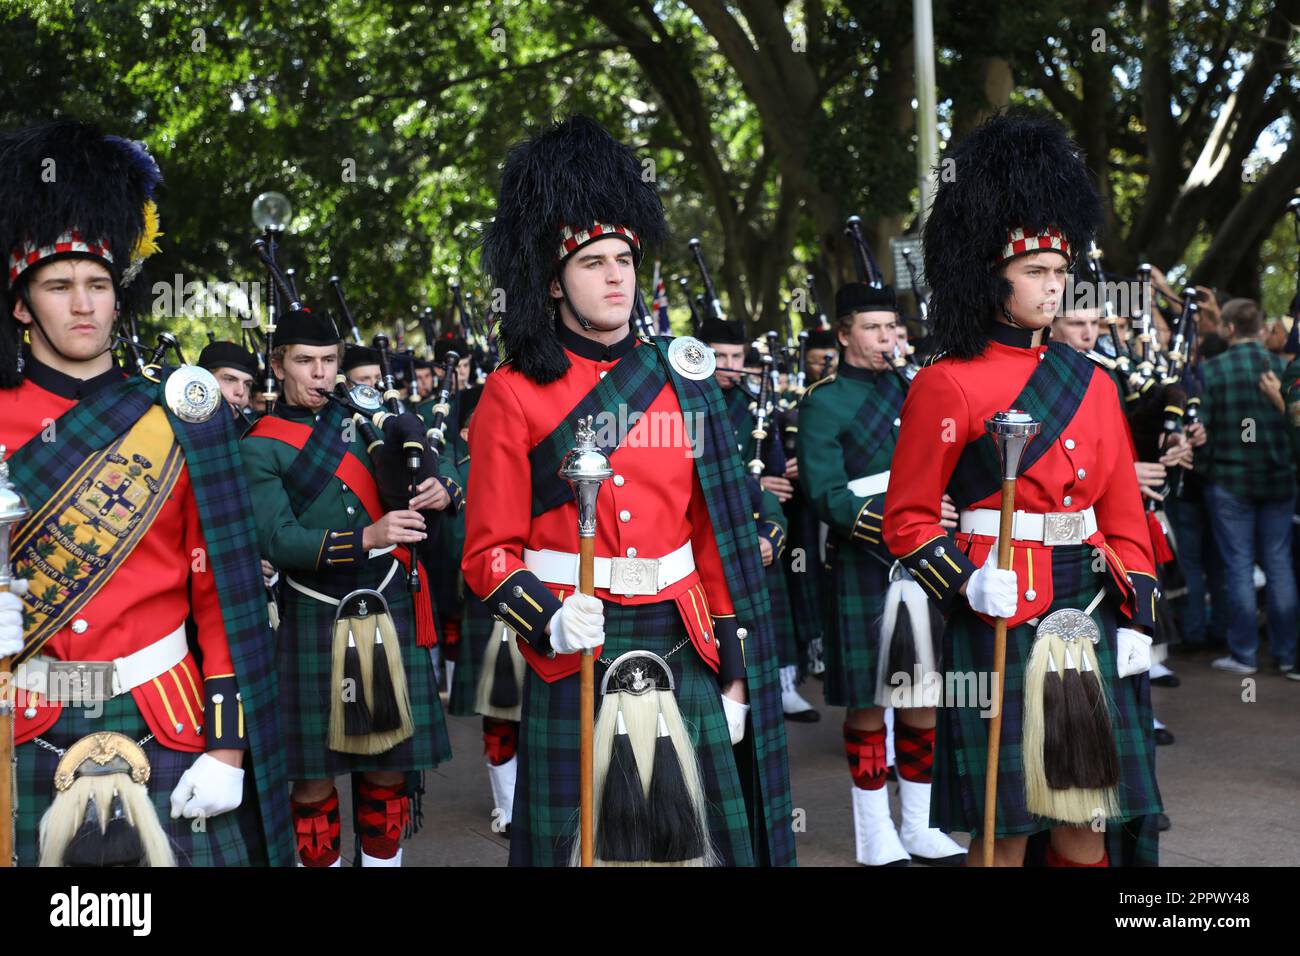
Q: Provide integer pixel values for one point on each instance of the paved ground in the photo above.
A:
(1231, 782)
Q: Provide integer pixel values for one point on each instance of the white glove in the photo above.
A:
(578, 625)
(991, 590)
(11, 617)
(209, 787)
(735, 712)
(1132, 652)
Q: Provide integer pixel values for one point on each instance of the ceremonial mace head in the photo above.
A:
(1012, 431)
(13, 509)
(585, 468)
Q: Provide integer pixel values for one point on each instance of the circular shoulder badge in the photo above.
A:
(691, 358)
(192, 393)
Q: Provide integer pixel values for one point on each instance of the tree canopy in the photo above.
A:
(766, 124)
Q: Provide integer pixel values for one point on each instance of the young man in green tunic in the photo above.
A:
(320, 521)
(847, 428)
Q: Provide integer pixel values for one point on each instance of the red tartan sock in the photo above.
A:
(913, 752)
(500, 740)
(1055, 859)
(382, 815)
(866, 753)
(316, 828)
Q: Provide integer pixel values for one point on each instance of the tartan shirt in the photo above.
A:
(1248, 446)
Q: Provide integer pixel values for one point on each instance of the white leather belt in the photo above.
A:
(1053, 528)
(89, 682)
(325, 598)
(627, 577)
(869, 485)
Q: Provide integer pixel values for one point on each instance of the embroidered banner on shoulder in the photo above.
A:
(629, 389)
(873, 426)
(1052, 396)
(70, 546)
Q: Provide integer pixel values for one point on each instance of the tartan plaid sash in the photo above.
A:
(1052, 396)
(632, 384)
(225, 514)
(318, 457)
(722, 478)
(883, 402)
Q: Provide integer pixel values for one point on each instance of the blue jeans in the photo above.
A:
(1249, 533)
(1199, 561)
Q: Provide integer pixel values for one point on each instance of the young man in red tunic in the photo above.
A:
(998, 247)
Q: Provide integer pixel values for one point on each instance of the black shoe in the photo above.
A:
(804, 716)
(1166, 680)
(1163, 737)
(1162, 822)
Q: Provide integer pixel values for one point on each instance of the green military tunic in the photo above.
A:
(848, 425)
(319, 550)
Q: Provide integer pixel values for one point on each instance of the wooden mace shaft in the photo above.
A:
(587, 711)
(999, 671)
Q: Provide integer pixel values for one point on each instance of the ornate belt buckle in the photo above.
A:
(633, 576)
(1063, 527)
(79, 682)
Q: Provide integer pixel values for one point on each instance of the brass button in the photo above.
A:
(938, 552)
(1082, 474)
(618, 480)
(517, 591)
(631, 552)
(503, 607)
(924, 564)
(1031, 594)
(625, 515)
(1069, 443)
(1066, 500)
(79, 626)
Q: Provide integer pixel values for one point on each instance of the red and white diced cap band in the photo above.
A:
(571, 240)
(29, 254)
(1019, 242)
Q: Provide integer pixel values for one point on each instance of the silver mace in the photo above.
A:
(586, 468)
(1011, 432)
(13, 508)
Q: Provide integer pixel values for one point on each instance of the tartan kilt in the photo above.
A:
(787, 647)
(545, 820)
(804, 586)
(475, 630)
(230, 839)
(961, 737)
(855, 602)
(303, 649)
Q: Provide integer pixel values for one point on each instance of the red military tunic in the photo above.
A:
(147, 597)
(651, 507)
(1090, 464)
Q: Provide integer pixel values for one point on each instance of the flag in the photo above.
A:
(661, 302)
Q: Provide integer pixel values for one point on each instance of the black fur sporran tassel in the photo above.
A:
(674, 824)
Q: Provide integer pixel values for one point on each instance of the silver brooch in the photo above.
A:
(192, 393)
(691, 358)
